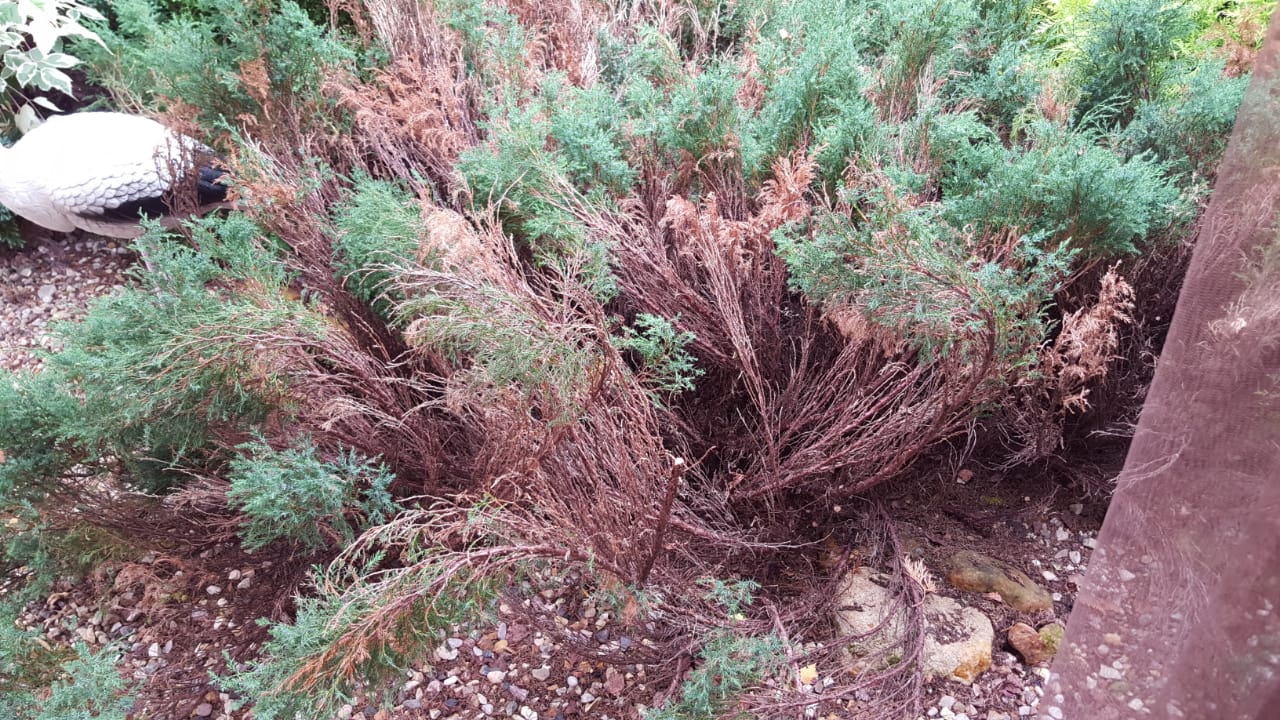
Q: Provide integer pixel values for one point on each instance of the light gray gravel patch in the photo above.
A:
(50, 281)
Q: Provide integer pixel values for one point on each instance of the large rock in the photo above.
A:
(976, 572)
(958, 639)
(1036, 646)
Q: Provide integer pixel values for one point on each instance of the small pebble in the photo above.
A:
(445, 653)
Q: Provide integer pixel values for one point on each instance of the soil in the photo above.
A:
(178, 622)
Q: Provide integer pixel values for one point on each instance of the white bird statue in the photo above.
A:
(103, 171)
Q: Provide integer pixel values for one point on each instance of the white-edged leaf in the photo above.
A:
(14, 59)
(10, 39)
(54, 79)
(43, 35)
(87, 12)
(26, 72)
(45, 103)
(75, 29)
(61, 60)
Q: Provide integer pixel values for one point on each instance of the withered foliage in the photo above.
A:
(562, 36)
(412, 120)
(1068, 370)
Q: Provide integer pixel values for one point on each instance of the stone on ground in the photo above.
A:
(975, 572)
(958, 639)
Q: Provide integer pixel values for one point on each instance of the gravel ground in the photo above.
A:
(49, 281)
(175, 629)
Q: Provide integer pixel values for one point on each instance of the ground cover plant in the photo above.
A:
(646, 291)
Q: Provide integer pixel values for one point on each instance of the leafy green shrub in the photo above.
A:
(9, 234)
(36, 555)
(26, 666)
(812, 83)
(584, 125)
(1062, 188)
(91, 689)
(1003, 69)
(1126, 55)
(668, 366)
(530, 184)
(41, 63)
(310, 668)
(146, 387)
(293, 495)
(696, 117)
(379, 227)
(923, 280)
(224, 57)
(892, 160)
(1187, 128)
(493, 45)
(728, 663)
(502, 338)
(156, 370)
(918, 36)
(732, 596)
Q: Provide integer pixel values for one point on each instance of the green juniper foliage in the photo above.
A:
(156, 368)
(1058, 186)
(814, 83)
(732, 596)
(493, 47)
(293, 495)
(348, 594)
(530, 183)
(728, 663)
(378, 228)
(25, 665)
(668, 366)
(9, 236)
(198, 52)
(144, 385)
(36, 555)
(920, 280)
(1127, 55)
(502, 339)
(1187, 126)
(91, 689)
